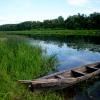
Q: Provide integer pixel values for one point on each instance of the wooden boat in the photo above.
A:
(65, 78)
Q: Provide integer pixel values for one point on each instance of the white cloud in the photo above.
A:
(77, 2)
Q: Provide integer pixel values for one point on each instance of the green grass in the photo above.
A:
(55, 32)
(18, 60)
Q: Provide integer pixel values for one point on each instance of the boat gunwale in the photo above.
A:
(61, 72)
(60, 83)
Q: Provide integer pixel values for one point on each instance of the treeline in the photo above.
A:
(79, 21)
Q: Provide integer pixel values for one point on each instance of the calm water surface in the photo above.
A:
(73, 52)
(70, 54)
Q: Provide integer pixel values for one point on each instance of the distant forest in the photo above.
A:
(79, 21)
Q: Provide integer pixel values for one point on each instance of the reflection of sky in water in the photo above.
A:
(67, 56)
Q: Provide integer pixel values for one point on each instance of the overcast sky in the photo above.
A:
(15, 11)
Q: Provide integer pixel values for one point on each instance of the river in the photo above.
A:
(72, 52)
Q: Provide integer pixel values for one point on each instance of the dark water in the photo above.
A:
(72, 52)
(89, 90)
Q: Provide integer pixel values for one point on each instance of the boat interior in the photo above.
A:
(78, 72)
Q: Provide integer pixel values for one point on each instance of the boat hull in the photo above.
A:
(65, 78)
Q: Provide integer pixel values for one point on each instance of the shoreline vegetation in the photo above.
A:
(18, 60)
(75, 22)
(53, 32)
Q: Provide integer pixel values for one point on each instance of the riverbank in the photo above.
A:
(21, 61)
(55, 32)
(16, 62)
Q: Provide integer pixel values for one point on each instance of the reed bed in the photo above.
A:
(18, 60)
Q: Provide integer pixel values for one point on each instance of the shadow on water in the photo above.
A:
(74, 41)
(87, 90)
(69, 38)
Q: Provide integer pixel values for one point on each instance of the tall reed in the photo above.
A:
(18, 60)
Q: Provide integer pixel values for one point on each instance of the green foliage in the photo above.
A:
(79, 21)
(24, 26)
(21, 61)
(83, 22)
(52, 33)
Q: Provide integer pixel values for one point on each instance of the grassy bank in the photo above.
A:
(56, 32)
(20, 61)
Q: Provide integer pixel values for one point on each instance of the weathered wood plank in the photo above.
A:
(91, 69)
(64, 78)
(25, 81)
(77, 73)
(98, 65)
(59, 76)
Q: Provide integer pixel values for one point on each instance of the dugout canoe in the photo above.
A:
(65, 78)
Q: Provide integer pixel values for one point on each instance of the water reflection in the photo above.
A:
(88, 90)
(71, 51)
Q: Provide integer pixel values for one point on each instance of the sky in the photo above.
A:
(16, 11)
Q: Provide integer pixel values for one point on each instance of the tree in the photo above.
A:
(24, 26)
(79, 21)
(60, 22)
(95, 20)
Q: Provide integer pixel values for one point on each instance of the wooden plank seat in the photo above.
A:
(97, 66)
(64, 78)
(91, 69)
(59, 77)
(77, 73)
